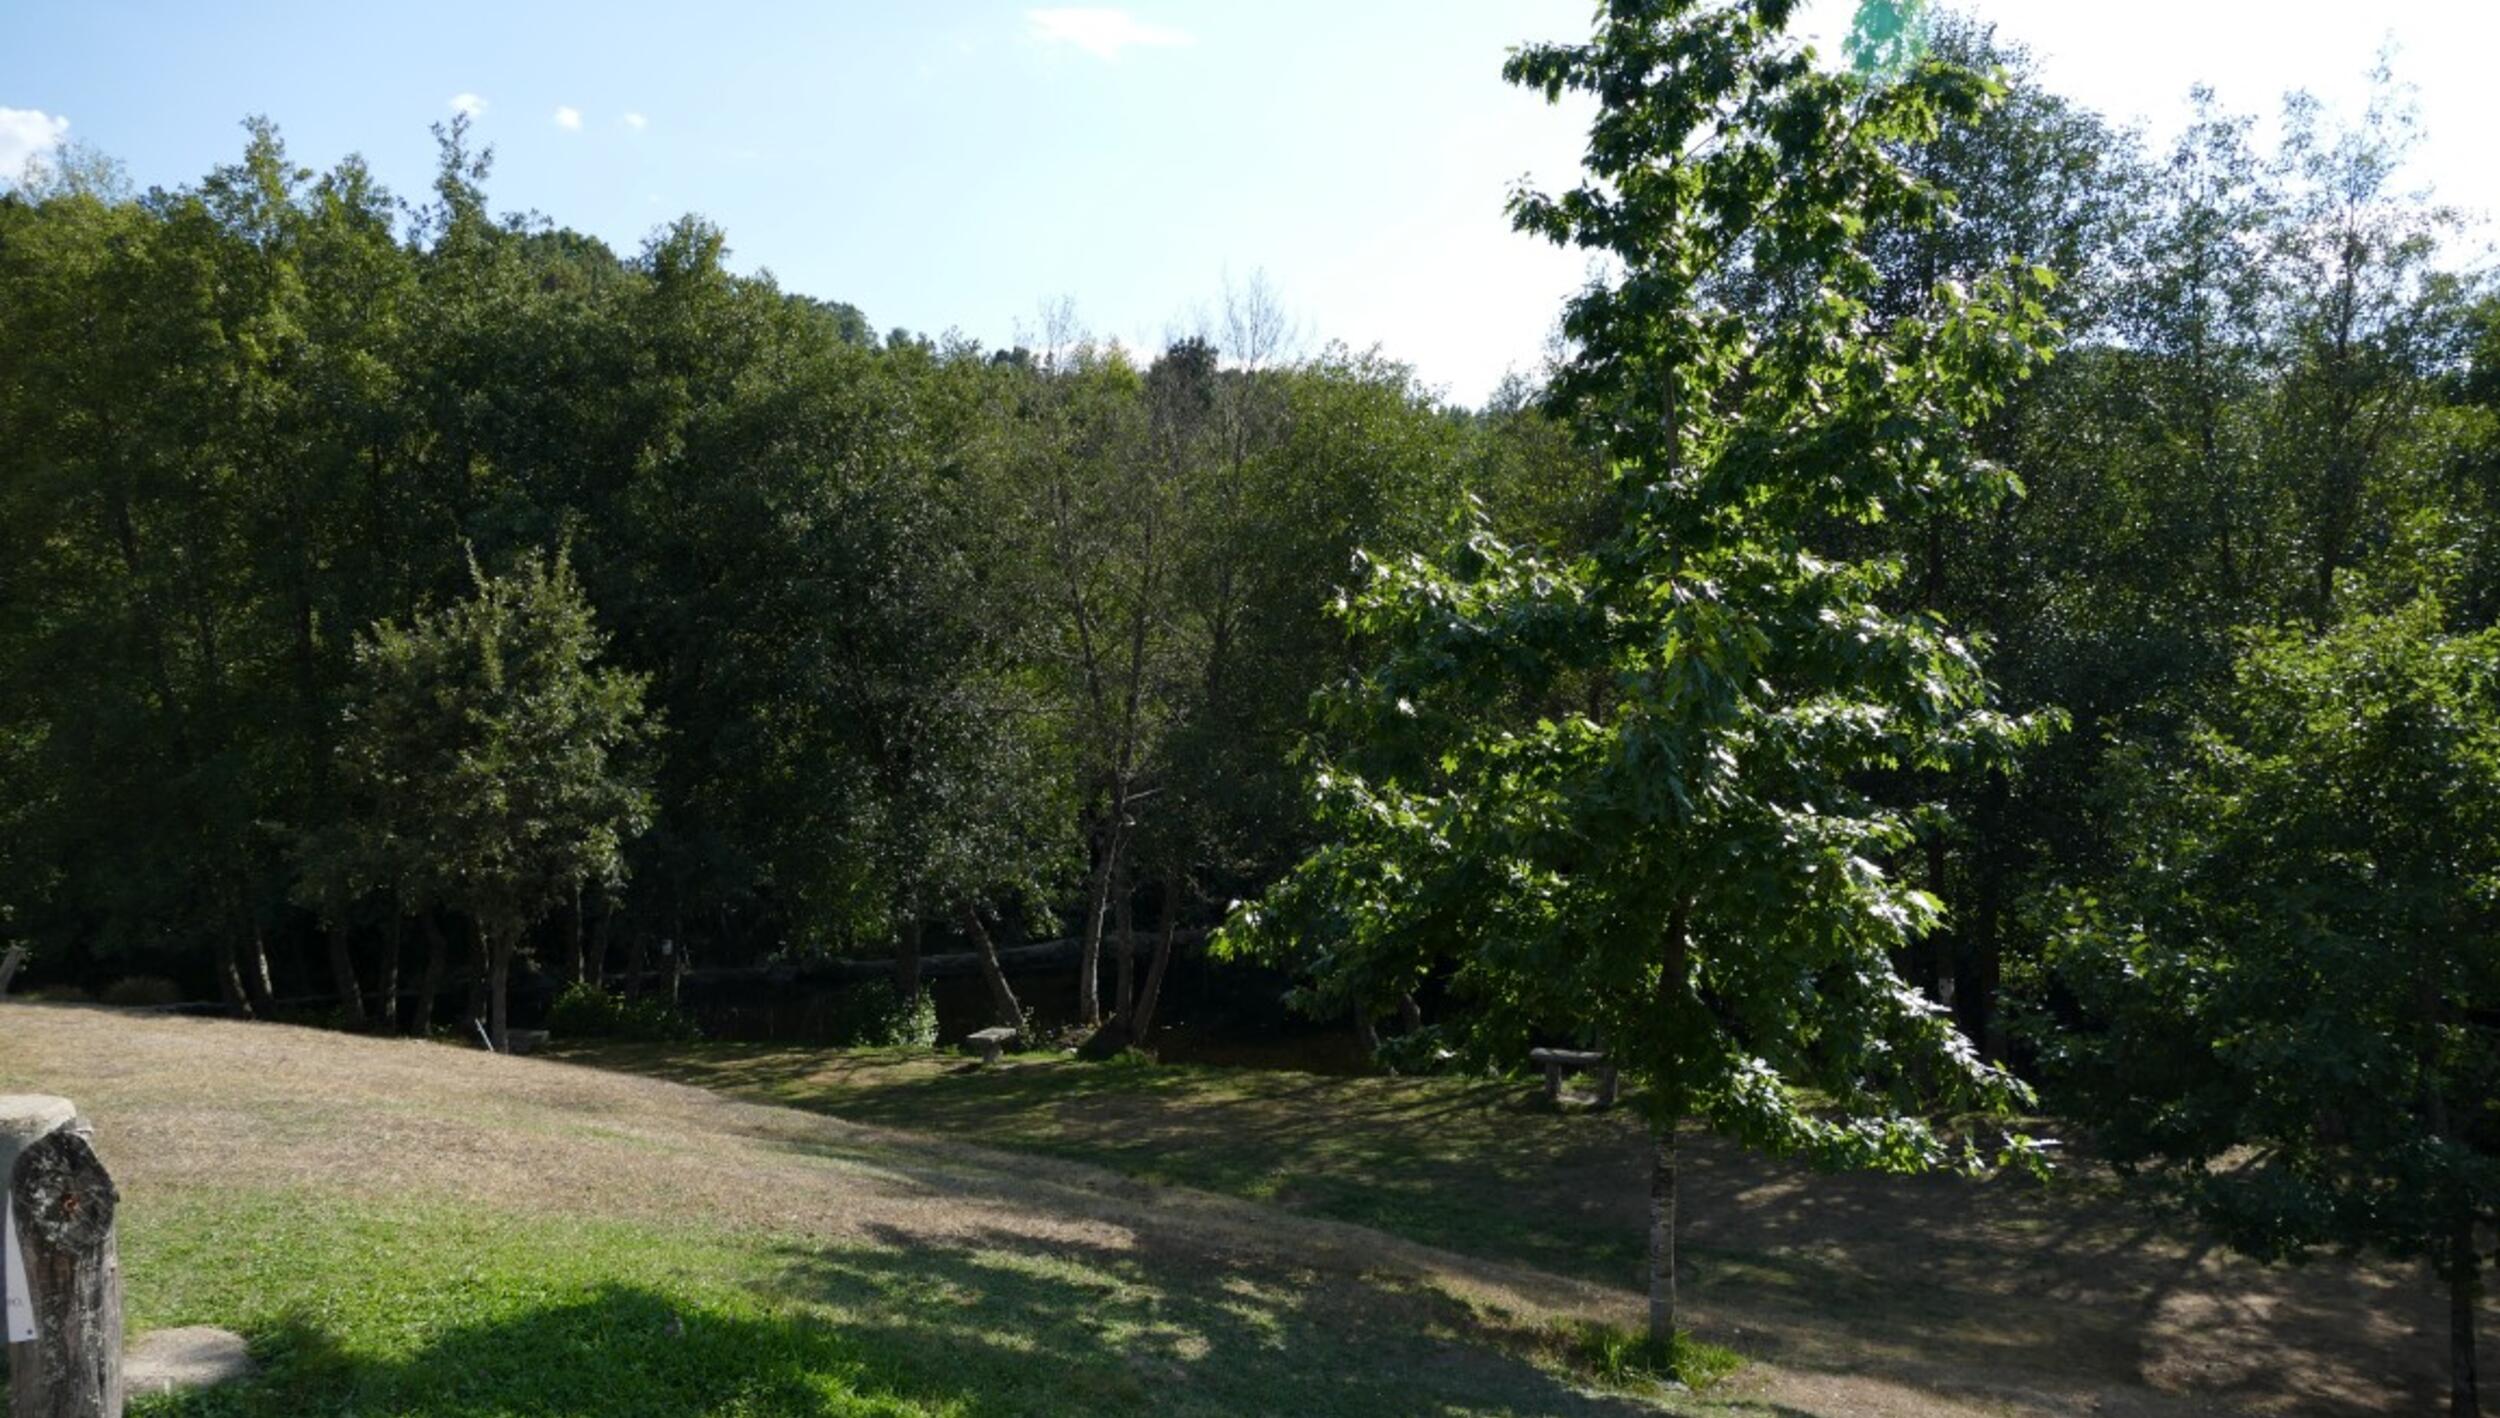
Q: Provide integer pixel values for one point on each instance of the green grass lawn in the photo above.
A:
(403, 1229)
(408, 1229)
(459, 1313)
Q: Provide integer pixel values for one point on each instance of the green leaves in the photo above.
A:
(2291, 995)
(492, 766)
(1624, 796)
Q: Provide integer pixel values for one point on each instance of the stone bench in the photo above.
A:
(989, 1042)
(1557, 1062)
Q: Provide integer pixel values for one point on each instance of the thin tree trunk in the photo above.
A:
(1097, 906)
(499, 947)
(1002, 997)
(637, 960)
(577, 966)
(1673, 983)
(907, 962)
(1410, 1014)
(386, 1002)
(481, 966)
(437, 964)
(1143, 1028)
(230, 978)
(598, 972)
(1364, 1031)
(1662, 1238)
(255, 966)
(2464, 1289)
(1947, 952)
(351, 991)
(1124, 986)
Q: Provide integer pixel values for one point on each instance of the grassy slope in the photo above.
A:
(411, 1229)
(2057, 1300)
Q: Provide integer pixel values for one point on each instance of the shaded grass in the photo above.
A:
(1482, 1167)
(2007, 1293)
(436, 1310)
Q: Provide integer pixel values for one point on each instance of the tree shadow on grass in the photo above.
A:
(2003, 1291)
(988, 1324)
(619, 1352)
(1039, 1326)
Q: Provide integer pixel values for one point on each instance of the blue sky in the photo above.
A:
(957, 165)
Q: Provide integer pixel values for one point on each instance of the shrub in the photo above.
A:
(1421, 1051)
(870, 1017)
(55, 994)
(585, 1011)
(142, 990)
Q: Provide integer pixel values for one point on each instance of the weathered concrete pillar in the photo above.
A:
(59, 1242)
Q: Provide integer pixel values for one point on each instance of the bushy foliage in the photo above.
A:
(874, 1017)
(141, 990)
(2288, 995)
(585, 1011)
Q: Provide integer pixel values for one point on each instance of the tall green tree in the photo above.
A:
(2369, 321)
(2292, 1001)
(494, 760)
(1624, 796)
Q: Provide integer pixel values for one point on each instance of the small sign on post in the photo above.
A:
(17, 1305)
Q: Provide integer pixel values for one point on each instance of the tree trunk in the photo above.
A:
(1947, 957)
(1124, 986)
(1662, 1239)
(386, 1004)
(1364, 1031)
(1089, 955)
(907, 962)
(576, 965)
(499, 946)
(1410, 1014)
(1143, 1028)
(637, 960)
(351, 991)
(1002, 997)
(481, 966)
(1674, 1000)
(255, 967)
(2464, 1289)
(62, 1205)
(437, 962)
(597, 975)
(230, 978)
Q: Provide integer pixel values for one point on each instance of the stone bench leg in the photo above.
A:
(989, 1052)
(1553, 1082)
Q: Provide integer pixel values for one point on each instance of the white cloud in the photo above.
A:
(568, 117)
(469, 104)
(637, 122)
(1102, 33)
(27, 134)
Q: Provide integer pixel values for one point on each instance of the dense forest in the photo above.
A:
(392, 592)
